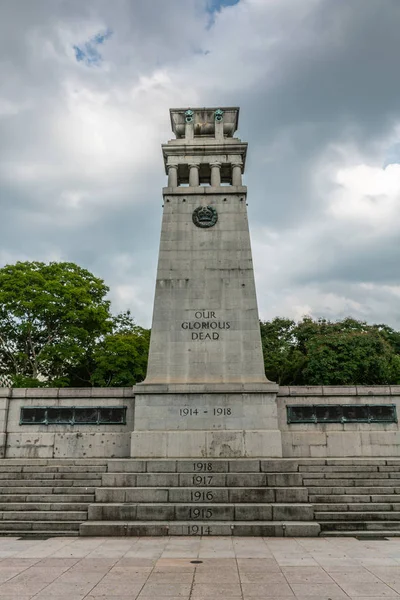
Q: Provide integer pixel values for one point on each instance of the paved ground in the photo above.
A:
(230, 568)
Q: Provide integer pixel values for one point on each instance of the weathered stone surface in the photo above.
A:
(205, 331)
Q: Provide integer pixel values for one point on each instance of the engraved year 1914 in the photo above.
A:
(199, 530)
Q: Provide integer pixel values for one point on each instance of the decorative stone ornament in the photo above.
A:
(205, 216)
(189, 116)
(219, 114)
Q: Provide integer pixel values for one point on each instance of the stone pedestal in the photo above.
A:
(213, 421)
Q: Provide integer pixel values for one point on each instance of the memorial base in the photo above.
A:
(213, 421)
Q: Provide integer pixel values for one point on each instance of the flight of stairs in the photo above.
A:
(201, 497)
(265, 497)
(46, 496)
(355, 497)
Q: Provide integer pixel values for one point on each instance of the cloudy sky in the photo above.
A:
(85, 88)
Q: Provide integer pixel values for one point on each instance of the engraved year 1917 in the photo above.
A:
(202, 480)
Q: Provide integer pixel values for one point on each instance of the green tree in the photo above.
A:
(351, 358)
(50, 314)
(321, 352)
(283, 361)
(120, 359)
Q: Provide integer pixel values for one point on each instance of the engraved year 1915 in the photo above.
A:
(200, 513)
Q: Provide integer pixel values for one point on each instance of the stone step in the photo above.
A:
(367, 490)
(203, 480)
(46, 476)
(350, 476)
(201, 528)
(193, 494)
(43, 506)
(42, 515)
(53, 468)
(37, 534)
(357, 507)
(358, 516)
(362, 534)
(239, 465)
(310, 468)
(28, 498)
(41, 483)
(55, 461)
(347, 498)
(46, 490)
(250, 465)
(216, 512)
(310, 483)
(359, 526)
(39, 526)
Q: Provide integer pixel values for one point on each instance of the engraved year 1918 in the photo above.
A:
(202, 466)
(222, 412)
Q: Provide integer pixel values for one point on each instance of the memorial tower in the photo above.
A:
(205, 393)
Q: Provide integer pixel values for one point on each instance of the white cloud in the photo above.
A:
(368, 196)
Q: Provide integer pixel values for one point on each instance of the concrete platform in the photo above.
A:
(199, 568)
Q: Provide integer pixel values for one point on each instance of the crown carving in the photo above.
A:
(205, 216)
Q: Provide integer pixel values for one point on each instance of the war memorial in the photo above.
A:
(206, 445)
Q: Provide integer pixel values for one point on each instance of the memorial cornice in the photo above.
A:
(206, 388)
(205, 190)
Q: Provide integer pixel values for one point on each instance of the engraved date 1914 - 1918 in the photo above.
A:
(219, 411)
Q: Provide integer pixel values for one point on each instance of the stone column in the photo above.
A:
(237, 174)
(215, 174)
(193, 175)
(172, 175)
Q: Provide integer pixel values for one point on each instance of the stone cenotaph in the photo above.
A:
(205, 394)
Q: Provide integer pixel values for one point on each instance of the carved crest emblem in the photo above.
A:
(205, 216)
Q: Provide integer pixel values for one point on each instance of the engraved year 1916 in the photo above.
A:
(201, 496)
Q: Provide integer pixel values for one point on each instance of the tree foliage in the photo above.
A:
(321, 352)
(56, 329)
(121, 358)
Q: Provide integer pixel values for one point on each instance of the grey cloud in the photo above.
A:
(306, 76)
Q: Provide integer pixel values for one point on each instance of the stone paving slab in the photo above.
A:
(199, 568)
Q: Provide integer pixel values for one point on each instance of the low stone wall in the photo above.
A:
(64, 441)
(320, 440)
